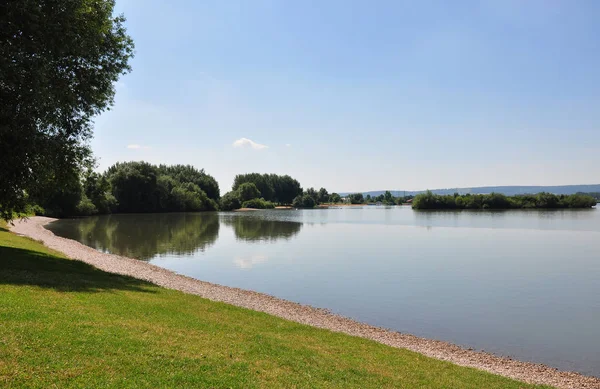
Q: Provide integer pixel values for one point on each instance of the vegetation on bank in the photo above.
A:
(429, 200)
(141, 187)
(264, 191)
(67, 324)
(131, 187)
(59, 63)
(595, 195)
(385, 198)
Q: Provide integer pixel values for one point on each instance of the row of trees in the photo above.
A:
(141, 187)
(385, 198)
(272, 187)
(595, 195)
(428, 200)
(132, 187)
(311, 198)
(255, 190)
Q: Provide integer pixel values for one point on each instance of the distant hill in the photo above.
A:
(507, 190)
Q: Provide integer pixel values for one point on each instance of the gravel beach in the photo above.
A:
(524, 371)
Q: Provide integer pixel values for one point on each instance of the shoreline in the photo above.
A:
(316, 317)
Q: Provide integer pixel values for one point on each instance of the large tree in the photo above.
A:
(59, 61)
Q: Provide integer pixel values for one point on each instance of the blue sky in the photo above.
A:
(356, 95)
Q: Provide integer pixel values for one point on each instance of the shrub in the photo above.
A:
(258, 204)
(189, 197)
(304, 201)
(248, 191)
(86, 207)
(356, 198)
(230, 201)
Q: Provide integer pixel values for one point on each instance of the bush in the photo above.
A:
(230, 201)
(258, 204)
(304, 201)
(247, 191)
(189, 197)
(356, 198)
(335, 198)
(86, 207)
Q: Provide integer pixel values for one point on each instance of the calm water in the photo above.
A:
(520, 283)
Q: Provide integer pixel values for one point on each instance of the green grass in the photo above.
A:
(66, 324)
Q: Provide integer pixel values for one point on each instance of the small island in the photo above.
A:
(498, 201)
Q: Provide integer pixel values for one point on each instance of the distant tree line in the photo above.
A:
(141, 187)
(385, 199)
(595, 195)
(428, 200)
(255, 190)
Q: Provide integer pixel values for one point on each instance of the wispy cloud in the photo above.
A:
(245, 142)
(137, 147)
(288, 145)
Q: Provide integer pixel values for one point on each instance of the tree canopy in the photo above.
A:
(142, 187)
(356, 198)
(272, 187)
(428, 200)
(59, 61)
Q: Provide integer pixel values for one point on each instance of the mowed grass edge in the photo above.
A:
(67, 324)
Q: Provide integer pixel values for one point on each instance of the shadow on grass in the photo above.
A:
(25, 267)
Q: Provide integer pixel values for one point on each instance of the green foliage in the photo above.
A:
(335, 198)
(60, 201)
(247, 191)
(59, 61)
(428, 200)
(134, 185)
(261, 181)
(388, 199)
(189, 197)
(98, 190)
(142, 187)
(86, 207)
(286, 188)
(230, 201)
(304, 201)
(314, 194)
(595, 195)
(258, 204)
(356, 198)
(188, 173)
(323, 196)
(272, 187)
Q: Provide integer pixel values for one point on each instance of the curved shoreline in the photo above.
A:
(523, 371)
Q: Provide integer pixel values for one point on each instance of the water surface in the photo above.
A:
(525, 284)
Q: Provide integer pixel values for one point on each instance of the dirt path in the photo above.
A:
(524, 371)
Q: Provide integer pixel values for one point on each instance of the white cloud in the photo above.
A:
(137, 147)
(245, 142)
(288, 145)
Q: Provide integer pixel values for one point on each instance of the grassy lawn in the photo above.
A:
(65, 324)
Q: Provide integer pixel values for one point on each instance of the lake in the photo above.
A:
(524, 284)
